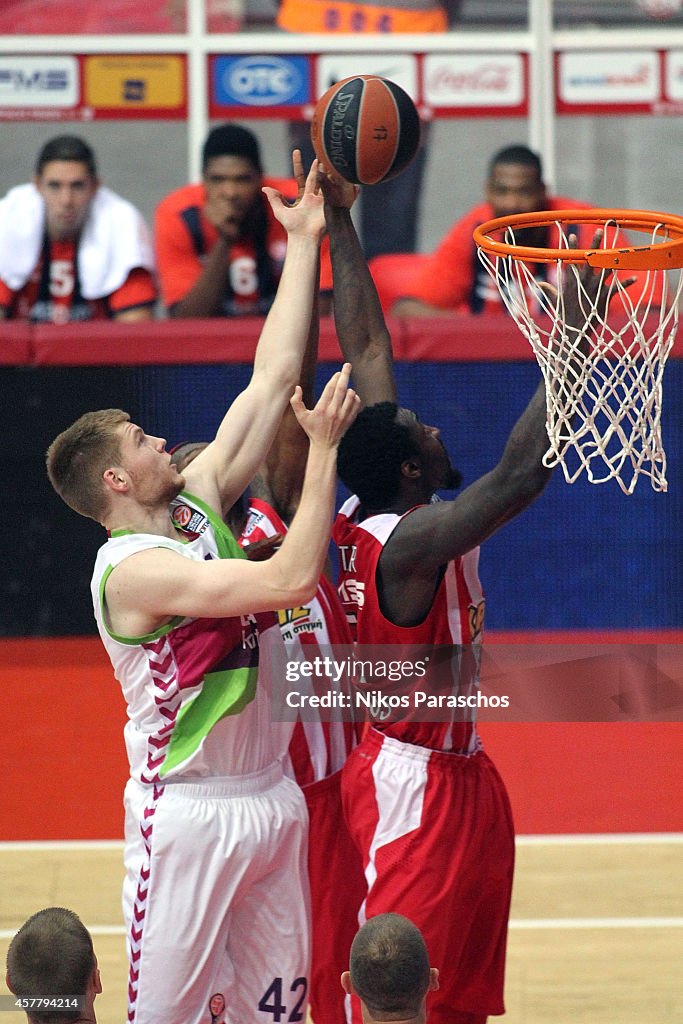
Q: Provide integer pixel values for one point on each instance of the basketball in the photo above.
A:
(366, 129)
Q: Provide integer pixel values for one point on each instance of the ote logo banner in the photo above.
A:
(261, 81)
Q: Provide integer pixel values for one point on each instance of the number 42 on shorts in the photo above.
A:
(272, 1004)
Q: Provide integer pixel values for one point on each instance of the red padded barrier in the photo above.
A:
(158, 342)
(15, 344)
(66, 762)
(455, 339)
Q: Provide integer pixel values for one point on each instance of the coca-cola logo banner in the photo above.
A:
(474, 79)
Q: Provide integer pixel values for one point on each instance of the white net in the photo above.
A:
(603, 379)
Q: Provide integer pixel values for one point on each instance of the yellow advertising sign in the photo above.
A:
(134, 83)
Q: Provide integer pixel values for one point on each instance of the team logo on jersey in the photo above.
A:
(188, 519)
(253, 523)
(475, 614)
(250, 632)
(217, 1008)
(182, 515)
(352, 592)
(293, 621)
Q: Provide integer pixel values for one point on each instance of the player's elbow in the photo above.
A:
(520, 482)
(303, 590)
(295, 584)
(527, 481)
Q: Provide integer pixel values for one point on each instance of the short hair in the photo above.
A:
(232, 140)
(52, 954)
(78, 457)
(517, 155)
(67, 147)
(389, 965)
(371, 453)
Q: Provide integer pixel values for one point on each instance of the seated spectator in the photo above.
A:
(389, 971)
(452, 279)
(71, 249)
(52, 956)
(219, 248)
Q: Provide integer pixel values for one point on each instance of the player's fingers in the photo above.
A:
(299, 174)
(272, 195)
(343, 379)
(297, 401)
(350, 407)
(328, 390)
(548, 289)
(341, 386)
(312, 183)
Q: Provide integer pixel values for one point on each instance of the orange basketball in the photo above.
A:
(366, 129)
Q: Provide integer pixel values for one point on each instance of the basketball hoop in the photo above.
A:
(603, 379)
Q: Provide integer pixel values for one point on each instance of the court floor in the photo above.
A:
(596, 933)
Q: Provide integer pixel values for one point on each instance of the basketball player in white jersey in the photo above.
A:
(425, 804)
(321, 741)
(215, 897)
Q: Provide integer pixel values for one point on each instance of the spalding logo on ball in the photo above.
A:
(366, 129)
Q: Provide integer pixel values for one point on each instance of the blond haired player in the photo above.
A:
(215, 896)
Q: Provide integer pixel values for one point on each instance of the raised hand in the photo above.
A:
(581, 288)
(299, 174)
(333, 413)
(306, 216)
(337, 190)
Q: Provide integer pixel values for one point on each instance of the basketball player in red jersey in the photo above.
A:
(71, 249)
(318, 749)
(426, 806)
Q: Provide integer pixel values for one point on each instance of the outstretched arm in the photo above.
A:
(280, 477)
(361, 328)
(151, 587)
(226, 466)
(432, 535)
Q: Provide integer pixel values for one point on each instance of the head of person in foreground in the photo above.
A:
(389, 971)
(52, 957)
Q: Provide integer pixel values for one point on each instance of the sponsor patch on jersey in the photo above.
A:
(254, 522)
(475, 613)
(188, 519)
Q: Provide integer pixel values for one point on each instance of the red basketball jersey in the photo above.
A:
(319, 748)
(456, 618)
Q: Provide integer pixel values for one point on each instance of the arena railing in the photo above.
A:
(539, 44)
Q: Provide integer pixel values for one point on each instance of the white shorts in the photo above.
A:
(216, 899)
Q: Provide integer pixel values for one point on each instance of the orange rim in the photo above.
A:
(664, 255)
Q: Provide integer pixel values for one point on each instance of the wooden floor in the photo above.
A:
(596, 934)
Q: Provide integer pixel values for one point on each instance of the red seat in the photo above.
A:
(392, 272)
